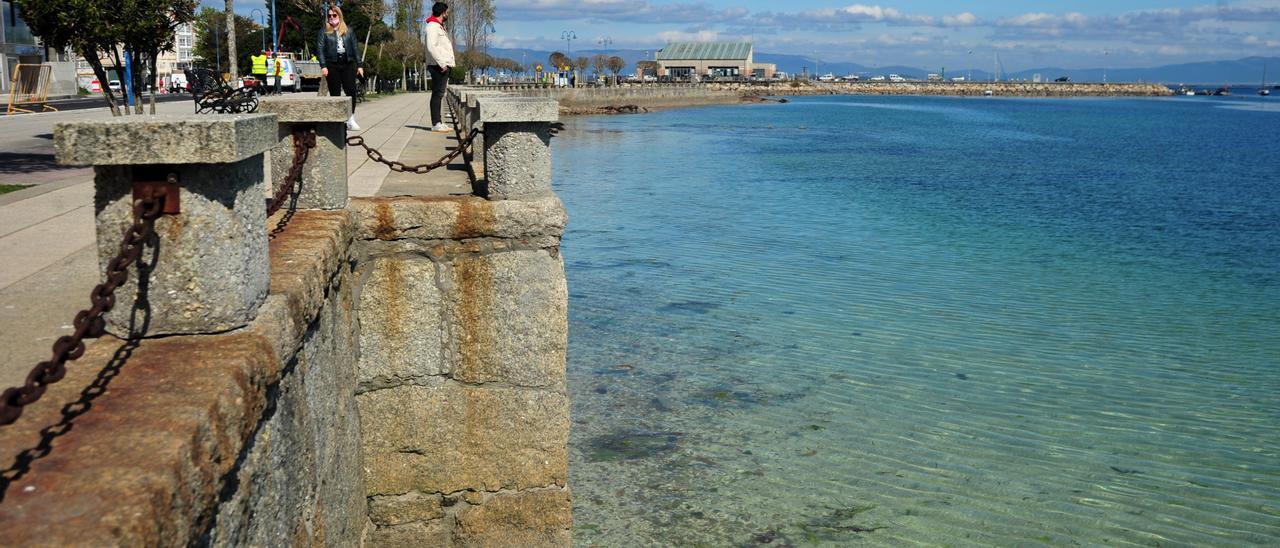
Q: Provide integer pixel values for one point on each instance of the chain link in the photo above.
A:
(376, 155)
(88, 323)
(304, 139)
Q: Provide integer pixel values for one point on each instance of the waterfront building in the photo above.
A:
(684, 60)
(173, 62)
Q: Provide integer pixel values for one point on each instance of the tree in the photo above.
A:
(474, 20)
(558, 61)
(94, 29)
(646, 67)
(231, 41)
(210, 46)
(598, 62)
(616, 64)
(581, 63)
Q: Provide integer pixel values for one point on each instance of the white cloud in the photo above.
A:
(965, 19)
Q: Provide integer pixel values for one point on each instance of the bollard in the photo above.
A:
(324, 175)
(517, 145)
(206, 271)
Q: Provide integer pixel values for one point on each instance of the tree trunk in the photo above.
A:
(154, 84)
(96, 64)
(231, 43)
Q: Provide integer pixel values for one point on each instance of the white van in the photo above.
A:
(177, 82)
(289, 78)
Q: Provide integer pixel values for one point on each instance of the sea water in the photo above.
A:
(925, 321)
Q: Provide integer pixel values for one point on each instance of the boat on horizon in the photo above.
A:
(1263, 91)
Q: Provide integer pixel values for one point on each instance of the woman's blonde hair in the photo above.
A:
(342, 21)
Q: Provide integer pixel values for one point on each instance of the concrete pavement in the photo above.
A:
(48, 260)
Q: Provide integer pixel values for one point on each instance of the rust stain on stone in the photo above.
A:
(384, 227)
(473, 276)
(396, 318)
(475, 218)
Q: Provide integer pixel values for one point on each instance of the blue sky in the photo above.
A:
(921, 33)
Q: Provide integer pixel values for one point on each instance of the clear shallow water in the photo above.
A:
(925, 321)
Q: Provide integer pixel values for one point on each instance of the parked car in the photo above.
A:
(1062, 79)
(114, 85)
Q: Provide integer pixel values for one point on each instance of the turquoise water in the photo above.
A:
(925, 321)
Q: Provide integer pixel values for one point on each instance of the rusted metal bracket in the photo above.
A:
(146, 187)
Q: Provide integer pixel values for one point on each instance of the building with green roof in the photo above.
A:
(683, 60)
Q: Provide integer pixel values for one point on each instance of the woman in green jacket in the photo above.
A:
(340, 59)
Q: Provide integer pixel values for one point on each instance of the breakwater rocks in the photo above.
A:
(961, 89)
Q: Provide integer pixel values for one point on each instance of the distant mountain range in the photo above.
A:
(1246, 71)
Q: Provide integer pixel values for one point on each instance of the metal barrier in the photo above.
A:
(30, 87)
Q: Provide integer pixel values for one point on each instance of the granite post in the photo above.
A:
(517, 146)
(206, 270)
(324, 175)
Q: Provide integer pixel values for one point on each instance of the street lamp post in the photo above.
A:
(604, 42)
(275, 43)
(569, 36)
(217, 47)
(262, 18)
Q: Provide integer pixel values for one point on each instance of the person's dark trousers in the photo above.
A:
(343, 75)
(439, 81)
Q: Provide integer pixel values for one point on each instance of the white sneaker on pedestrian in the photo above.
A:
(351, 123)
(441, 128)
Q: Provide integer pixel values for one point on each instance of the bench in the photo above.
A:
(211, 94)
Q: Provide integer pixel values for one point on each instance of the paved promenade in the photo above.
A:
(48, 257)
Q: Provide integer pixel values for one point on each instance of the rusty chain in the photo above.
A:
(376, 155)
(304, 139)
(90, 322)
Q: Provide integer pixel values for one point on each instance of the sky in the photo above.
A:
(920, 33)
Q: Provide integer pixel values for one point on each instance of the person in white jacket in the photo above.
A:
(439, 61)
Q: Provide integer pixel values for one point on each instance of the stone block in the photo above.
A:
(306, 108)
(387, 510)
(401, 335)
(517, 159)
(516, 109)
(410, 535)
(209, 271)
(189, 139)
(537, 517)
(324, 174)
(505, 318)
(450, 437)
(460, 217)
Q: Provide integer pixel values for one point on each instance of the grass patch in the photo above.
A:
(5, 189)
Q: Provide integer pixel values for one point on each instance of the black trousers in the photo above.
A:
(344, 75)
(439, 81)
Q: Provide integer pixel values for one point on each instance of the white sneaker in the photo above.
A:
(441, 128)
(351, 123)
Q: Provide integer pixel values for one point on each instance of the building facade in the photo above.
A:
(17, 44)
(710, 60)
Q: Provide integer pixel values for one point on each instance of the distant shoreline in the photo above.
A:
(638, 98)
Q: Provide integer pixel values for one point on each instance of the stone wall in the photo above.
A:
(249, 437)
(461, 380)
(397, 379)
